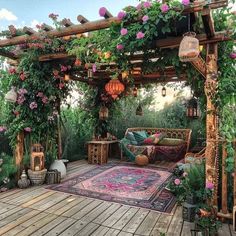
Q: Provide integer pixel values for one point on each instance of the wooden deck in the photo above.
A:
(39, 211)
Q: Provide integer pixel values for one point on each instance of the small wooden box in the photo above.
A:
(53, 177)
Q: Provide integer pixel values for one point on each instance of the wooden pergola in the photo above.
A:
(207, 67)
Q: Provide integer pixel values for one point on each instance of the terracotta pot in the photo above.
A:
(141, 160)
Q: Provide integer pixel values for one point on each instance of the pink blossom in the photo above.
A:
(121, 15)
(147, 4)
(40, 94)
(21, 99)
(139, 6)
(27, 129)
(22, 91)
(177, 181)
(2, 129)
(53, 16)
(123, 31)
(94, 68)
(63, 68)
(164, 8)
(119, 46)
(102, 11)
(145, 18)
(185, 174)
(140, 35)
(45, 99)
(232, 55)
(33, 105)
(209, 185)
(12, 71)
(185, 2)
(22, 76)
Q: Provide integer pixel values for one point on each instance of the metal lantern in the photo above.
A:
(11, 95)
(139, 110)
(163, 92)
(37, 158)
(103, 113)
(114, 88)
(192, 108)
(189, 47)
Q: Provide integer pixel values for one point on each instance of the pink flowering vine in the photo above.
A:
(45, 99)
(147, 4)
(21, 99)
(140, 35)
(177, 181)
(12, 71)
(209, 185)
(185, 2)
(145, 18)
(94, 68)
(22, 91)
(119, 46)
(102, 11)
(123, 31)
(33, 105)
(27, 129)
(2, 129)
(164, 8)
(121, 15)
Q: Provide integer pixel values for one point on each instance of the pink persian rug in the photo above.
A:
(126, 184)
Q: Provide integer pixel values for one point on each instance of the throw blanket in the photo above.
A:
(154, 153)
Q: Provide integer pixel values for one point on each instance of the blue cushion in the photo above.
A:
(131, 138)
(140, 136)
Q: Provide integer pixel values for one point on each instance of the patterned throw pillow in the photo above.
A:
(131, 138)
(171, 142)
(154, 139)
(140, 136)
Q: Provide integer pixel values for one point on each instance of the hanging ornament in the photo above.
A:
(189, 47)
(103, 113)
(11, 95)
(67, 77)
(114, 88)
(139, 110)
(135, 92)
(163, 92)
(192, 108)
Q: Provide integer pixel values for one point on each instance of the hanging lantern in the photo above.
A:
(11, 95)
(114, 87)
(67, 77)
(163, 92)
(189, 47)
(103, 113)
(139, 110)
(135, 92)
(192, 108)
(90, 73)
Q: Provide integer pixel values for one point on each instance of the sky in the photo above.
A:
(31, 12)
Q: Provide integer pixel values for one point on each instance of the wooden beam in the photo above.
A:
(108, 15)
(66, 22)
(28, 30)
(82, 19)
(200, 65)
(224, 187)
(208, 22)
(8, 54)
(19, 153)
(55, 56)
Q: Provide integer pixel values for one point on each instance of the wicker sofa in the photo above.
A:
(162, 152)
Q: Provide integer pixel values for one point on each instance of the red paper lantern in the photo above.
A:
(114, 87)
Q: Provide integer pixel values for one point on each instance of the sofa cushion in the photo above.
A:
(140, 136)
(154, 139)
(131, 138)
(171, 142)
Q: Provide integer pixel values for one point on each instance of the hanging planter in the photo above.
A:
(11, 95)
(114, 88)
(103, 113)
(189, 47)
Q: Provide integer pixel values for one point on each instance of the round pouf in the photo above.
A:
(59, 165)
(141, 160)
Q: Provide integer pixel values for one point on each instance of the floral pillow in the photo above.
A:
(154, 139)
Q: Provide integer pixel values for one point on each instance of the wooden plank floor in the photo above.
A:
(39, 211)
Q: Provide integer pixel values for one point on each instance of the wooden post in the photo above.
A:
(211, 121)
(59, 154)
(224, 201)
(19, 153)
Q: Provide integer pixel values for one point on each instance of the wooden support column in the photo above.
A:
(224, 199)
(19, 153)
(211, 121)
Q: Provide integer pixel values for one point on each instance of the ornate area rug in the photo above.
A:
(126, 184)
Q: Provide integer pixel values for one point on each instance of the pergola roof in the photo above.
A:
(69, 28)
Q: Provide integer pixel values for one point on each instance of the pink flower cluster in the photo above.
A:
(119, 46)
(22, 76)
(36, 45)
(209, 185)
(233, 55)
(145, 19)
(12, 71)
(144, 5)
(22, 91)
(164, 8)
(140, 35)
(43, 97)
(2, 129)
(27, 129)
(20, 99)
(65, 68)
(121, 15)
(94, 68)
(33, 105)
(40, 94)
(185, 2)
(177, 181)
(53, 16)
(102, 11)
(123, 31)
